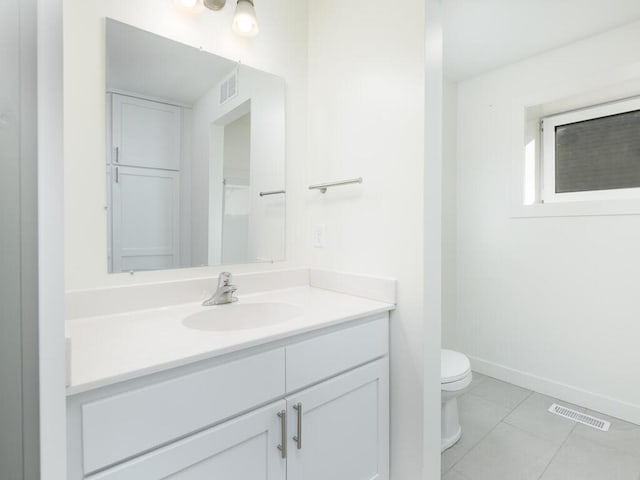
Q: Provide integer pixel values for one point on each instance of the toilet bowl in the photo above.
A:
(455, 378)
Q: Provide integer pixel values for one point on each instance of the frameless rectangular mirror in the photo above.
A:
(195, 156)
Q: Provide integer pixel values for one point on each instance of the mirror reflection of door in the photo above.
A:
(144, 184)
(236, 199)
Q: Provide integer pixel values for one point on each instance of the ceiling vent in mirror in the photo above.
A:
(229, 87)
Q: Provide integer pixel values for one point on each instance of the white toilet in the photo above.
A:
(455, 377)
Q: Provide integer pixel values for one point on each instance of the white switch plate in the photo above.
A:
(320, 235)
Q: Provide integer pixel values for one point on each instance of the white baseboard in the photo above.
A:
(583, 398)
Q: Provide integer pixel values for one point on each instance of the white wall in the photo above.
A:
(51, 341)
(432, 300)
(550, 303)
(281, 49)
(449, 215)
(366, 118)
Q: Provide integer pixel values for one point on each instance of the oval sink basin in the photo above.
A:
(225, 318)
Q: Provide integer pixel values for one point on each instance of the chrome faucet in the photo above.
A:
(224, 293)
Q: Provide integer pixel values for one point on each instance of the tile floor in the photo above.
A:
(507, 434)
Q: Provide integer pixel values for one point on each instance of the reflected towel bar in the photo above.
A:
(323, 186)
(274, 192)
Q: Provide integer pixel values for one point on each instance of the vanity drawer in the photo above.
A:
(122, 426)
(322, 357)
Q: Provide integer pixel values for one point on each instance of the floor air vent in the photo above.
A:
(580, 417)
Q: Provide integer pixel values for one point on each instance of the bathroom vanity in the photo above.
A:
(292, 381)
(304, 398)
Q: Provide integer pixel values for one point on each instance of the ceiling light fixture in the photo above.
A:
(192, 5)
(245, 22)
(215, 5)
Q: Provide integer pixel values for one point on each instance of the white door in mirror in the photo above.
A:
(145, 133)
(145, 193)
(145, 219)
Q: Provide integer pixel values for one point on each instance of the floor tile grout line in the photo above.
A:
(486, 434)
(453, 465)
(572, 432)
(481, 438)
(600, 444)
(480, 382)
(531, 392)
(537, 436)
(463, 475)
(557, 452)
(597, 441)
(475, 445)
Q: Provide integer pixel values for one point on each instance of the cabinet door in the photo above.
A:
(339, 429)
(246, 448)
(145, 219)
(145, 133)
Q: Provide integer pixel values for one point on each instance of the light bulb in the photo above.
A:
(244, 20)
(188, 3)
(191, 5)
(244, 25)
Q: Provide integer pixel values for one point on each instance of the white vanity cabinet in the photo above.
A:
(243, 448)
(310, 407)
(339, 429)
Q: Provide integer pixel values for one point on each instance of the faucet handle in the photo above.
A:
(224, 279)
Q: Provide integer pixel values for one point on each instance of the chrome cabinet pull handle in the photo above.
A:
(283, 435)
(117, 154)
(298, 437)
(117, 175)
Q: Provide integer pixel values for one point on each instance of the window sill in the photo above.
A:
(577, 209)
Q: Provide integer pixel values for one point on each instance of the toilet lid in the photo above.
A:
(453, 366)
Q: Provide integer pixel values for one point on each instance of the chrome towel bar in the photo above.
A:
(274, 192)
(323, 186)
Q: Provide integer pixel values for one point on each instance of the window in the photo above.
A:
(592, 153)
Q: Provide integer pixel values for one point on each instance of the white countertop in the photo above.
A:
(113, 348)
